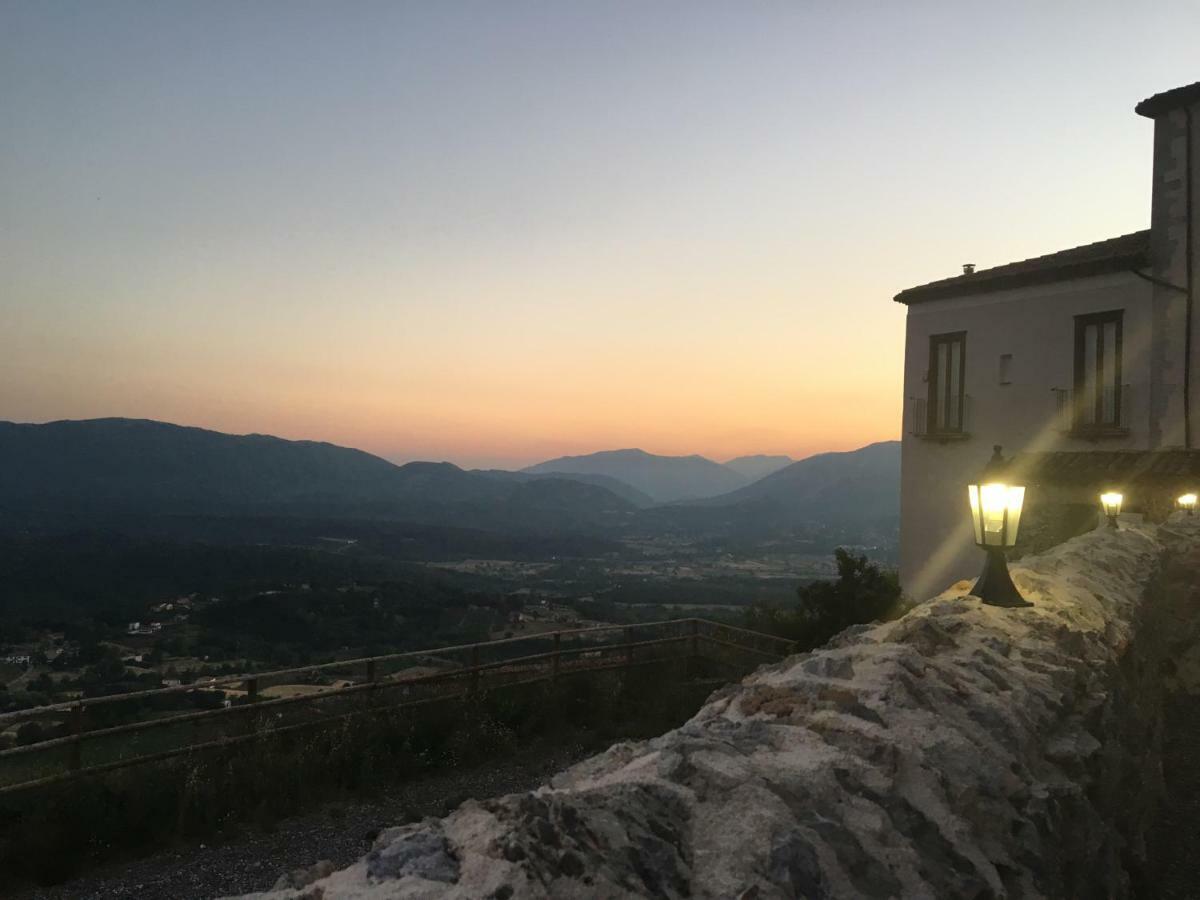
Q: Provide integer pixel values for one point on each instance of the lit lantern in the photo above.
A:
(1187, 502)
(996, 514)
(1111, 502)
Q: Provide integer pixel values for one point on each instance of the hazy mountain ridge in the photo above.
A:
(105, 467)
(853, 484)
(125, 473)
(665, 479)
(758, 465)
(625, 491)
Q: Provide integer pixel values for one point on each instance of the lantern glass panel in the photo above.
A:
(995, 513)
(1111, 501)
(1187, 501)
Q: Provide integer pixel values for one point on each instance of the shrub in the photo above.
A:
(863, 592)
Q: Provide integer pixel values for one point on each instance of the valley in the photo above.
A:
(137, 555)
(166, 613)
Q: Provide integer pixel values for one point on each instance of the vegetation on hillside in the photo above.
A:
(863, 592)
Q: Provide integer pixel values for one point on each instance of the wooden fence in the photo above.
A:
(100, 736)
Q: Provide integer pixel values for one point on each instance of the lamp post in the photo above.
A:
(1187, 502)
(1111, 502)
(995, 514)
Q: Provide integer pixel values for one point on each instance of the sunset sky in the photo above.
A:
(497, 232)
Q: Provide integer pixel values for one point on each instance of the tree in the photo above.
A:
(107, 670)
(862, 593)
(43, 683)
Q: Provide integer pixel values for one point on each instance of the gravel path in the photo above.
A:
(252, 859)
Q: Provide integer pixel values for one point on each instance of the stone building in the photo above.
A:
(1081, 362)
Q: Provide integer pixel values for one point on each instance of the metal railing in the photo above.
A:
(163, 727)
(1086, 413)
(948, 425)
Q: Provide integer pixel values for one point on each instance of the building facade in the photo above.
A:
(1092, 349)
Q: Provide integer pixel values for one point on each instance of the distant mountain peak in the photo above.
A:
(422, 466)
(758, 465)
(663, 478)
(610, 454)
(862, 483)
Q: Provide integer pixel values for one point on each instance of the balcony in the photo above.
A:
(1092, 417)
(947, 425)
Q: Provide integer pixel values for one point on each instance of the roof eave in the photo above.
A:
(969, 286)
(1155, 106)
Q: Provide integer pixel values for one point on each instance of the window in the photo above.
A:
(947, 372)
(1098, 371)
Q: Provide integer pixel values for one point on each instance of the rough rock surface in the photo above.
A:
(961, 751)
(1175, 865)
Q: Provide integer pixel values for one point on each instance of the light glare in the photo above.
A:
(1001, 512)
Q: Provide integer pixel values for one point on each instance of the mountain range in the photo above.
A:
(76, 474)
(758, 466)
(829, 487)
(664, 479)
(97, 469)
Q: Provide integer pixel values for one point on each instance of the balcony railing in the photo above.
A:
(948, 426)
(1088, 415)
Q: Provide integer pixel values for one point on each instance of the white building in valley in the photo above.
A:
(1062, 360)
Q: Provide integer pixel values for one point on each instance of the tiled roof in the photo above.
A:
(1168, 100)
(1115, 466)
(1114, 255)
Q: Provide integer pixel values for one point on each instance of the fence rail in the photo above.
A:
(572, 651)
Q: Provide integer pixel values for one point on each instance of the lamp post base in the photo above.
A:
(995, 586)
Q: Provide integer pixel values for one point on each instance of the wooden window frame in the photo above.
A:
(933, 427)
(1099, 319)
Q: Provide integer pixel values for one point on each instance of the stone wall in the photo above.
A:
(961, 751)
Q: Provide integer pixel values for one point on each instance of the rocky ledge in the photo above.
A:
(961, 751)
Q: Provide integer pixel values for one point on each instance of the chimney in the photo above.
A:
(1174, 242)
(1176, 116)
(968, 268)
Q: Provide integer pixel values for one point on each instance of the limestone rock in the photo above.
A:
(303, 877)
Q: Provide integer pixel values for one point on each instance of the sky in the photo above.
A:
(495, 233)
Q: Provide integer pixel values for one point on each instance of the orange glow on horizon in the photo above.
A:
(674, 368)
(435, 246)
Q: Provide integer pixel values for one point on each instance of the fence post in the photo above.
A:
(555, 661)
(474, 668)
(371, 670)
(252, 690)
(628, 645)
(76, 760)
